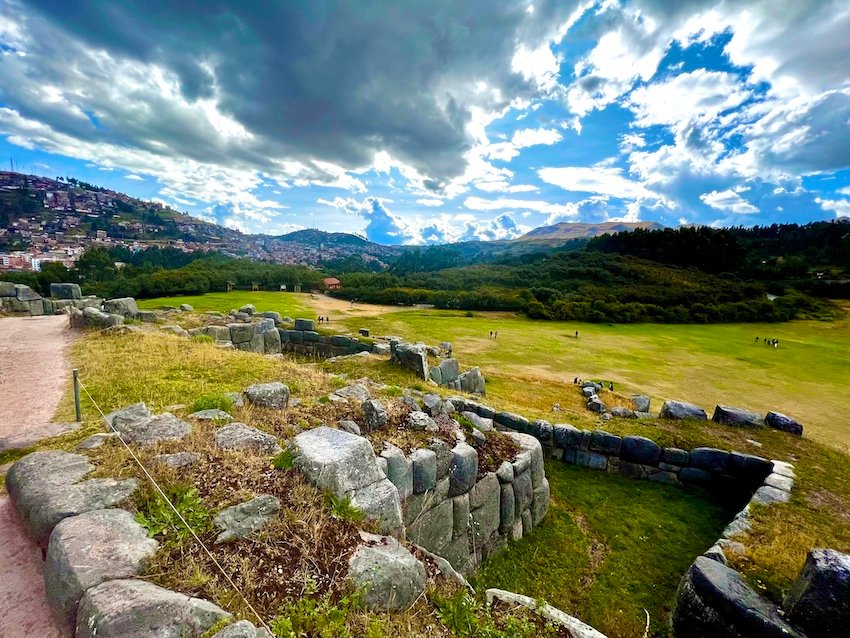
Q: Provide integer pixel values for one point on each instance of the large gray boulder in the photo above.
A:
(736, 417)
(25, 293)
(47, 487)
(713, 600)
(411, 356)
(681, 410)
(273, 395)
(134, 412)
(246, 518)
(380, 502)
(472, 381)
(424, 470)
(421, 421)
(449, 371)
(463, 469)
(7, 289)
(153, 430)
(305, 324)
(819, 600)
(335, 460)
(432, 529)
(93, 318)
(640, 403)
(244, 438)
(89, 549)
(389, 576)
(374, 414)
(399, 470)
(357, 391)
(65, 291)
(779, 421)
(240, 332)
(129, 608)
(124, 306)
(709, 459)
(218, 333)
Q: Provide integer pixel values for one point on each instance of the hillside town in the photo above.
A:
(55, 220)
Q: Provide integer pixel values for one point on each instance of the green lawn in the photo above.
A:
(612, 547)
(286, 303)
(609, 548)
(807, 376)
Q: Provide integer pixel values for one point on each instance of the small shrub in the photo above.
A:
(156, 516)
(203, 339)
(284, 461)
(465, 617)
(468, 313)
(317, 618)
(393, 391)
(324, 399)
(213, 402)
(342, 509)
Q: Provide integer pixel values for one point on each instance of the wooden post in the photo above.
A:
(77, 396)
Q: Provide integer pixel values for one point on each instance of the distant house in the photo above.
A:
(331, 283)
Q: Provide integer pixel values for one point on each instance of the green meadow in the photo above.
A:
(612, 550)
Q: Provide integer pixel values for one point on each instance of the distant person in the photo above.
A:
(576, 334)
(611, 386)
(496, 334)
(757, 339)
(491, 334)
(575, 380)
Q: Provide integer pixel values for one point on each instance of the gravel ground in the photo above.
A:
(33, 372)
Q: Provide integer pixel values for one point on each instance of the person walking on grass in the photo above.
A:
(576, 334)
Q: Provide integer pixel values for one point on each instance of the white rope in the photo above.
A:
(176, 511)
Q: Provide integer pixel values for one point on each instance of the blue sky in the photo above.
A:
(438, 122)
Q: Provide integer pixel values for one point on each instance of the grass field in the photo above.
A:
(609, 548)
(590, 555)
(807, 376)
(287, 304)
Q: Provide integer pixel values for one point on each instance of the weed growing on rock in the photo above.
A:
(156, 516)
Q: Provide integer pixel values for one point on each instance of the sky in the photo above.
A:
(439, 121)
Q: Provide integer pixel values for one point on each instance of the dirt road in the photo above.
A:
(33, 372)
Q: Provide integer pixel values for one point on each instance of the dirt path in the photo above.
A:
(33, 372)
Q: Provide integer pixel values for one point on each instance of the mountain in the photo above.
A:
(570, 230)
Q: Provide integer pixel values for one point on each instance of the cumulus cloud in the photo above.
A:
(137, 178)
(603, 181)
(841, 207)
(281, 81)
(729, 201)
(502, 227)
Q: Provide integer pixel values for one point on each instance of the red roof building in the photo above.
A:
(331, 283)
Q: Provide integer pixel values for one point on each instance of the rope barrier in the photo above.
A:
(176, 511)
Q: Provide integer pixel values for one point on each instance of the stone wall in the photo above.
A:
(635, 456)
(414, 357)
(21, 299)
(434, 496)
(450, 511)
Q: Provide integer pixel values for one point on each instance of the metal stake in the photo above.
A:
(77, 396)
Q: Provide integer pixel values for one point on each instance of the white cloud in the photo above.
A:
(603, 181)
(504, 187)
(844, 191)
(685, 98)
(729, 201)
(134, 177)
(429, 202)
(841, 207)
(540, 206)
(524, 138)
